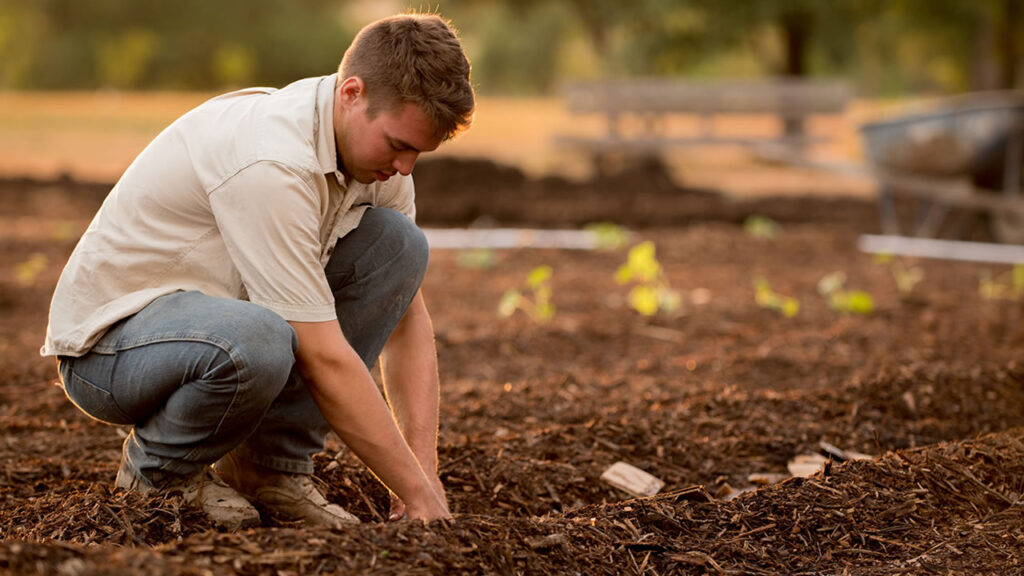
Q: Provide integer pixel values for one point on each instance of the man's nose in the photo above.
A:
(404, 162)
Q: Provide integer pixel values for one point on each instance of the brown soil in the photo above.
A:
(930, 384)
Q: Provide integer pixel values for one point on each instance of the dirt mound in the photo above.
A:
(455, 192)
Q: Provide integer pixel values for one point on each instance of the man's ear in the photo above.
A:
(351, 91)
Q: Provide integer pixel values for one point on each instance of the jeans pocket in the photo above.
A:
(94, 401)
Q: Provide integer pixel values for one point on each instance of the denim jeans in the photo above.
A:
(198, 376)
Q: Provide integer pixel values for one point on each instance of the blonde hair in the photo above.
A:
(413, 58)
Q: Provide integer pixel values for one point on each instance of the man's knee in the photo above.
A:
(386, 241)
(408, 241)
(263, 344)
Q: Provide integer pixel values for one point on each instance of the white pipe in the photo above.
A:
(942, 249)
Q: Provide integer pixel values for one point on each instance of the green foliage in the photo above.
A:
(761, 227)
(520, 46)
(651, 292)
(832, 287)
(905, 276)
(26, 272)
(609, 236)
(482, 258)
(536, 302)
(1006, 286)
(156, 44)
(771, 300)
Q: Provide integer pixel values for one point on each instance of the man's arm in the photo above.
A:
(409, 367)
(351, 403)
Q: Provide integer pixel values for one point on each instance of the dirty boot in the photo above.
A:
(206, 491)
(292, 496)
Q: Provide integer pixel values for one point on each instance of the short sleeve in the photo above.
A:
(269, 218)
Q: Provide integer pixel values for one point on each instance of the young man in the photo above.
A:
(236, 286)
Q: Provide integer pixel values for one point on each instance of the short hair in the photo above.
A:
(413, 58)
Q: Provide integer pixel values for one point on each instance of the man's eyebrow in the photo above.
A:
(404, 145)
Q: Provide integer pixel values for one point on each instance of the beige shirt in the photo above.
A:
(239, 198)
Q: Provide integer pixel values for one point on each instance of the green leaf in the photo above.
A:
(859, 302)
(642, 263)
(538, 276)
(761, 227)
(624, 274)
(790, 307)
(610, 236)
(644, 299)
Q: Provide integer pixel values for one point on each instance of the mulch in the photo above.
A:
(930, 385)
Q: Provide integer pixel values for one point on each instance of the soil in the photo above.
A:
(929, 384)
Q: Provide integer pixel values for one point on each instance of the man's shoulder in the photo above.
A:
(257, 125)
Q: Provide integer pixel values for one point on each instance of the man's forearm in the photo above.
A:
(350, 402)
(409, 367)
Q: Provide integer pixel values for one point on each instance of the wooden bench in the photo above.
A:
(647, 104)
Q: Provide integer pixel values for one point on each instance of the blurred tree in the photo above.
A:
(182, 44)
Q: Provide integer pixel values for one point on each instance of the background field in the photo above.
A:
(93, 136)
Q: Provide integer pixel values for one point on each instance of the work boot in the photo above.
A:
(206, 491)
(291, 496)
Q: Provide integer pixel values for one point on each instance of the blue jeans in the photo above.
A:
(198, 377)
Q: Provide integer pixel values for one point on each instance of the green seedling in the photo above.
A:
(1006, 286)
(906, 277)
(651, 292)
(26, 272)
(537, 304)
(761, 227)
(767, 298)
(852, 301)
(478, 258)
(608, 235)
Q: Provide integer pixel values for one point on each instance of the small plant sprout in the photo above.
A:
(768, 299)
(608, 235)
(475, 258)
(537, 305)
(761, 227)
(906, 277)
(852, 301)
(1006, 286)
(651, 293)
(26, 272)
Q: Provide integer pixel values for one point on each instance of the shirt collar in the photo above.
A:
(326, 148)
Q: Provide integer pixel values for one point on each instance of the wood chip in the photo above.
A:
(765, 478)
(632, 480)
(804, 465)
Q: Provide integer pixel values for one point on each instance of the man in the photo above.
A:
(236, 286)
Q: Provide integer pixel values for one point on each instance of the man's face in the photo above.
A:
(378, 148)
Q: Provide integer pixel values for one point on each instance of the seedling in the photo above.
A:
(26, 272)
(609, 236)
(537, 304)
(761, 227)
(906, 277)
(767, 298)
(852, 301)
(1007, 286)
(480, 258)
(651, 293)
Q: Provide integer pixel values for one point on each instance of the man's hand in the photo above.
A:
(398, 508)
(349, 400)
